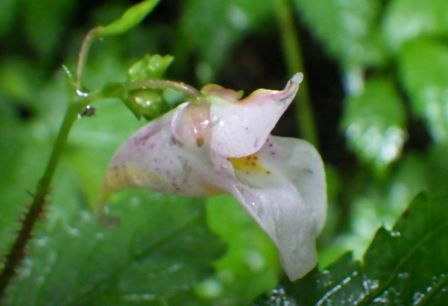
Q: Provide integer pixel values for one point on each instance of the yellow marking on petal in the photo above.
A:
(254, 97)
(124, 176)
(143, 178)
(210, 190)
(248, 164)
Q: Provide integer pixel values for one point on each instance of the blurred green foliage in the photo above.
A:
(391, 125)
(374, 122)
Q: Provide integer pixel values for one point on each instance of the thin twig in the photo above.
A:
(160, 84)
(17, 252)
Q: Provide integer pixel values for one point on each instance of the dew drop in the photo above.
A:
(382, 299)
(403, 275)
(86, 216)
(174, 268)
(417, 298)
(41, 241)
(72, 231)
(395, 234)
(135, 201)
(255, 261)
(278, 297)
(26, 269)
(40, 279)
(210, 288)
(145, 297)
(326, 280)
(370, 285)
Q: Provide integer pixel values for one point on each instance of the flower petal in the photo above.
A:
(240, 129)
(303, 166)
(291, 212)
(153, 158)
(204, 149)
(191, 124)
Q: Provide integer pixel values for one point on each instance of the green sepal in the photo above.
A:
(150, 67)
(146, 103)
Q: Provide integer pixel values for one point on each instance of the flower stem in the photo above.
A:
(17, 251)
(162, 84)
(292, 55)
(82, 55)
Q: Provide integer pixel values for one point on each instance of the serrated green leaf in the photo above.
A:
(212, 28)
(150, 257)
(347, 28)
(424, 72)
(405, 266)
(251, 257)
(374, 123)
(406, 20)
(131, 17)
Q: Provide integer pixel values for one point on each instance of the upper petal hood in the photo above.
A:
(241, 128)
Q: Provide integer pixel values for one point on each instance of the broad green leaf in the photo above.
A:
(347, 28)
(438, 163)
(374, 123)
(211, 28)
(406, 20)
(424, 73)
(405, 266)
(150, 257)
(250, 259)
(12, 143)
(131, 17)
(45, 22)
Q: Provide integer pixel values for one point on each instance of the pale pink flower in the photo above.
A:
(221, 144)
